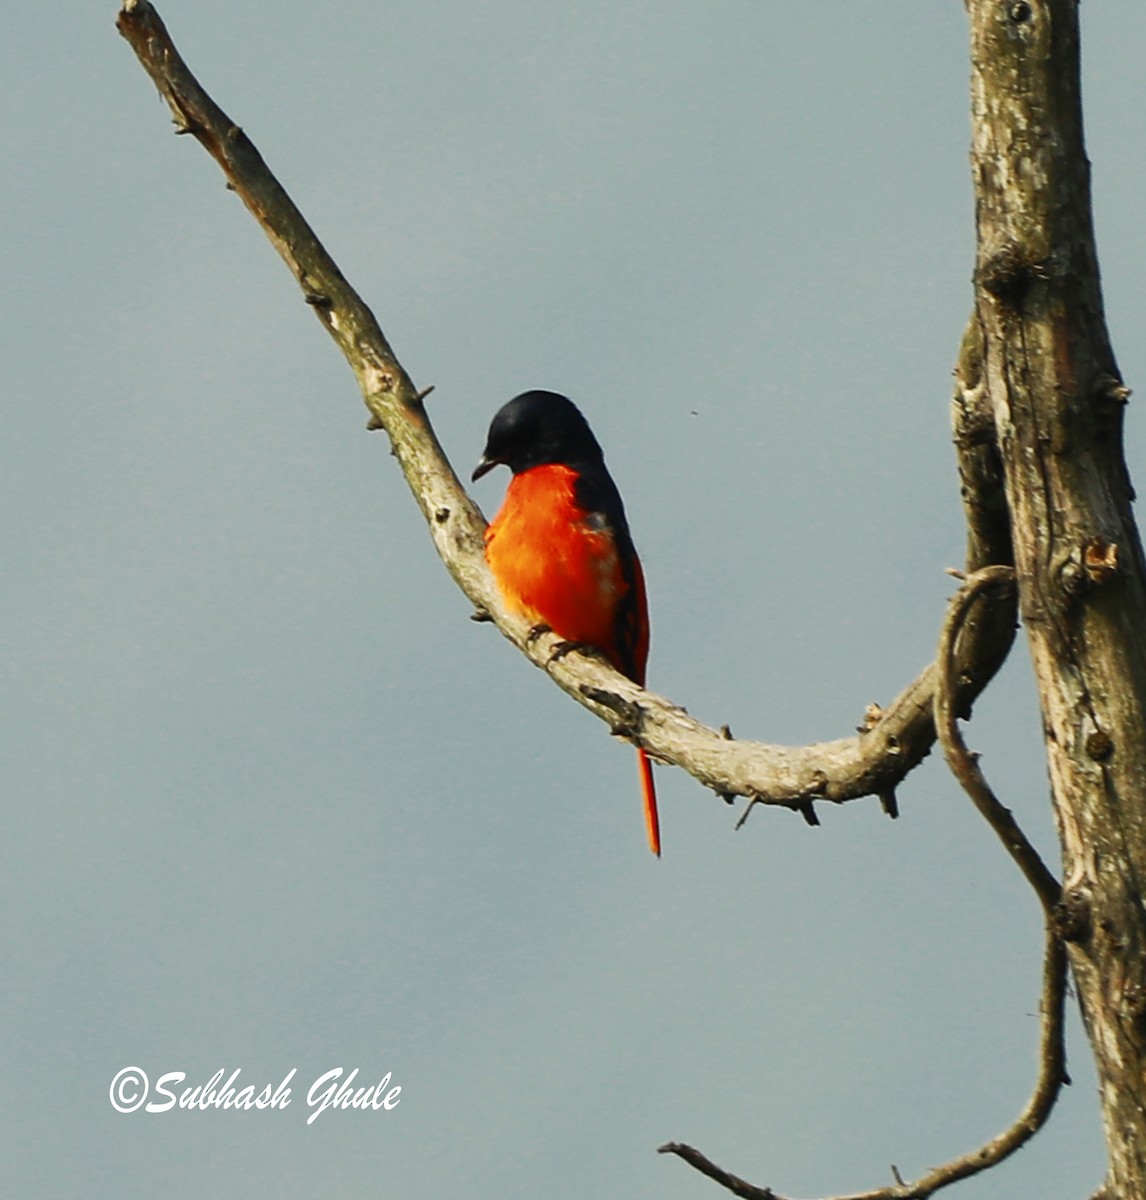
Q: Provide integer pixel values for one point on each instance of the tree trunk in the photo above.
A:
(1051, 383)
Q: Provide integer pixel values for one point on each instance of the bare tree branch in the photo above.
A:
(874, 762)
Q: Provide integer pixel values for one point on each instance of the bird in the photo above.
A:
(559, 548)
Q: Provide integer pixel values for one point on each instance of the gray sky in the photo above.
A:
(273, 802)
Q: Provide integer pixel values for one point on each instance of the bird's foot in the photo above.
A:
(563, 648)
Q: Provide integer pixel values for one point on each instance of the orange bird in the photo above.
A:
(560, 548)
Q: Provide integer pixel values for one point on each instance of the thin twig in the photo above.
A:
(736, 1185)
(964, 765)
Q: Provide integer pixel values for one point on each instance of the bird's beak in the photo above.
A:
(484, 467)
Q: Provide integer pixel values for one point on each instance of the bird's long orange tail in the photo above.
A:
(652, 820)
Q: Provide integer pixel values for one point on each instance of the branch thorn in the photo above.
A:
(752, 802)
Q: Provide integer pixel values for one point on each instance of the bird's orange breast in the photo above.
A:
(559, 565)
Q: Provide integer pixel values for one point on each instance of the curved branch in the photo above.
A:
(874, 762)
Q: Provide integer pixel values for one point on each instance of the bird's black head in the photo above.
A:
(537, 428)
